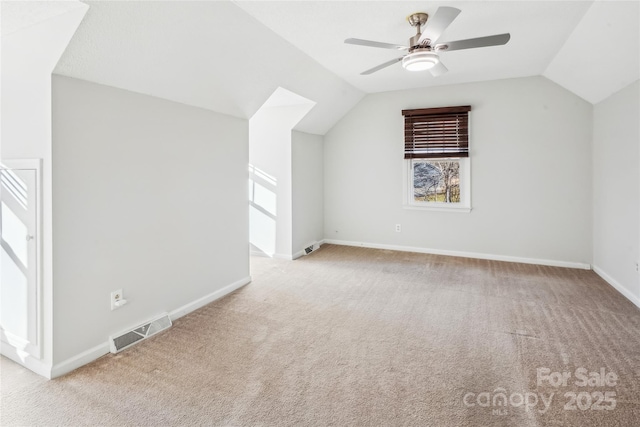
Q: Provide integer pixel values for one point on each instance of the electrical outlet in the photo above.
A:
(117, 299)
(398, 228)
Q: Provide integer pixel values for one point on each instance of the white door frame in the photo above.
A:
(35, 314)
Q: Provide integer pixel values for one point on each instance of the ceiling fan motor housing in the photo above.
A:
(417, 20)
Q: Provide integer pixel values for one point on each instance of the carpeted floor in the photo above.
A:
(364, 337)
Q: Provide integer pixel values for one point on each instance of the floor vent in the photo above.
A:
(311, 248)
(127, 339)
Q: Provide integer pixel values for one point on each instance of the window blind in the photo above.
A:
(431, 133)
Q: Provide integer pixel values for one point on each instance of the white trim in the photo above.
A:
(478, 255)
(277, 256)
(35, 349)
(259, 253)
(438, 208)
(21, 164)
(36, 365)
(300, 253)
(79, 360)
(617, 286)
(287, 257)
(100, 350)
(201, 302)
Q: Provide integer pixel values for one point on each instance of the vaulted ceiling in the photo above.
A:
(538, 30)
(589, 47)
(230, 56)
(209, 54)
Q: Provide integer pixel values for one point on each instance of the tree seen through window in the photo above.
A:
(436, 181)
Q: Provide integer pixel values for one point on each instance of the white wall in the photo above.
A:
(616, 190)
(29, 55)
(530, 166)
(270, 154)
(150, 197)
(270, 186)
(307, 153)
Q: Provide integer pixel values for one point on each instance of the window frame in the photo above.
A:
(464, 206)
(417, 138)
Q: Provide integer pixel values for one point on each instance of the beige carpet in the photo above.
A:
(363, 337)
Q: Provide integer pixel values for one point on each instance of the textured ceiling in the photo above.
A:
(17, 15)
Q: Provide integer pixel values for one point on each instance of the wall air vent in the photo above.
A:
(128, 338)
(311, 248)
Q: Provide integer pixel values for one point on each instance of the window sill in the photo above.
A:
(438, 208)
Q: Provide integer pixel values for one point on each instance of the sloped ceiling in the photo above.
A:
(538, 30)
(231, 56)
(602, 55)
(17, 15)
(589, 47)
(209, 54)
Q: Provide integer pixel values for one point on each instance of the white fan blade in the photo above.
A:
(381, 66)
(371, 43)
(497, 40)
(438, 69)
(436, 25)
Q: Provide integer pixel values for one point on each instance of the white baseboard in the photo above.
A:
(279, 256)
(276, 256)
(38, 366)
(552, 263)
(79, 360)
(98, 351)
(259, 253)
(302, 251)
(618, 287)
(201, 302)
(292, 257)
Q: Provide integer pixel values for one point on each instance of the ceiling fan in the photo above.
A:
(424, 47)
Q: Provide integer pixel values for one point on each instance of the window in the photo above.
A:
(436, 181)
(436, 152)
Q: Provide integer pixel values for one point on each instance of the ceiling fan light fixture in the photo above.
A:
(420, 60)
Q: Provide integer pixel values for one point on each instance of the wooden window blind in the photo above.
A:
(431, 133)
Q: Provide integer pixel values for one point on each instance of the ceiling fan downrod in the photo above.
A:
(417, 20)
